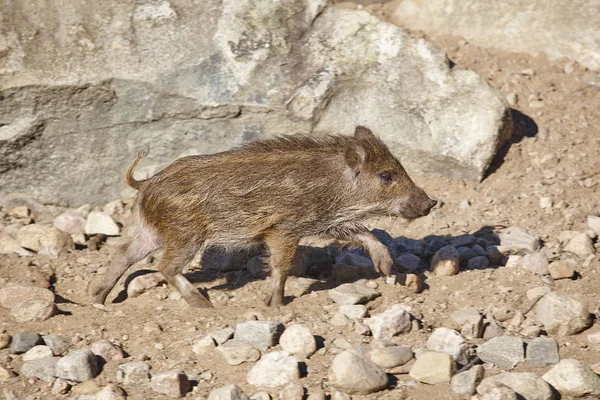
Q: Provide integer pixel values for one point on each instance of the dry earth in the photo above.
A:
(553, 154)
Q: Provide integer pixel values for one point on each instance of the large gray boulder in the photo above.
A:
(559, 28)
(84, 87)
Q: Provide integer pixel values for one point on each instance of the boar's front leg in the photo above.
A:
(382, 261)
(283, 250)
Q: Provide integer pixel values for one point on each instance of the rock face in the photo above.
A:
(180, 79)
(561, 314)
(540, 27)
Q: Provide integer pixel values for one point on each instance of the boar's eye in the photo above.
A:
(386, 178)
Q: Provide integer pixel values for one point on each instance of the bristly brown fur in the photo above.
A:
(271, 192)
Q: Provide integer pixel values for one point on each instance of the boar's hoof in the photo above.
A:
(274, 301)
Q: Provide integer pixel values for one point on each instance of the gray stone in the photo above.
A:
(540, 28)
(43, 368)
(99, 222)
(391, 356)
(134, 373)
(536, 263)
(260, 334)
(561, 314)
(492, 329)
(433, 368)
(394, 321)
(34, 310)
(504, 352)
(8, 245)
(111, 392)
(352, 293)
(573, 378)
(12, 294)
(527, 385)
(226, 81)
(445, 261)
(24, 341)
(466, 382)
(581, 245)
(221, 335)
(354, 374)
(78, 366)
(237, 352)
(37, 352)
(107, 350)
(228, 392)
(354, 311)
(561, 270)
(465, 254)
(478, 262)
(70, 222)
(465, 315)
(59, 344)
(516, 237)
(298, 340)
(542, 352)
(537, 293)
(60, 386)
(44, 239)
(449, 341)
(171, 383)
(273, 370)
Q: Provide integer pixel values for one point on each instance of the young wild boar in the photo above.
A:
(271, 192)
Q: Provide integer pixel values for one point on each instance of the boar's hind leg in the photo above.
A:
(283, 250)
(382, 261)
(140, 247)
(171, 265)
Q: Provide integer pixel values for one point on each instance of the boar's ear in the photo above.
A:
(355, 156)
(363, 133)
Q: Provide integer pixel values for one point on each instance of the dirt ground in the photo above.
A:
(554, 153)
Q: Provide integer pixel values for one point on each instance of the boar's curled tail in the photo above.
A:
(129, 176)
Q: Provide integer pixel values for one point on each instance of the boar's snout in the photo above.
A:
(429, 205)
(419, 205)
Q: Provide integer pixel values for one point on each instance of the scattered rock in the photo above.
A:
(354, 311)
(339, 319)
(44, 239)
(172, 383)
(352, 293)
(445, 261)
(478, 262)
(391, 356)
(70, 222)
(237, 352)
(537, 293)
(43, 368)
(504, 352)
(37, 352)
(100, 223)
(107, 351)
(517, 238)
(413, 283)
(292, 391)
(111, 392)
(496, 391)
(581, 245)
(466, 382)
(229, 392)
(273, 370)
(393, 321)
(60, 386)
(432, 368)
(542, 352)
(408, 262)
(134, 373)
(260, 334)
(561, 314)
(34, 310)
(491, 328)
(573, 378)
(141, 284)
(57, 343)
(12, 294)
(8, 245)
(24, 341)
(353, 374)
(561, 270)
(449, 341)
(298, 340)
(204, 345)
(594, 223)
(536, 263)
(5, 340)
(221, 335)
(527, 385)
(5, 374)
(78, 366)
